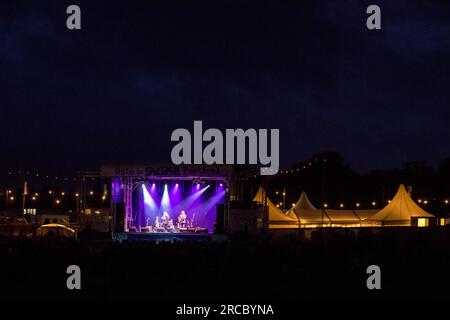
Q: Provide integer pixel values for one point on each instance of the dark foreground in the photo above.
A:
(415, 264)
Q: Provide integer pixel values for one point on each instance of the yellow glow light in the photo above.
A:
(422, 222)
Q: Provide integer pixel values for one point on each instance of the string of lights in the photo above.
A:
(295, 169)
(38, 175)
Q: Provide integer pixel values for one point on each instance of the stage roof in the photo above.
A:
(166, 171)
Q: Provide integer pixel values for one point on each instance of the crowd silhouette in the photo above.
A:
(329, 264)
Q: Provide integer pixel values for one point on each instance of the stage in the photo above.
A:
(162, 236)
(166, 203)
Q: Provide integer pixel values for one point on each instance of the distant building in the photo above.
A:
(97, 219)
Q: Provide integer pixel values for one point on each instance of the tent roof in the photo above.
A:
(305, 211)
(312, 216)
(57, 225)
(275, 214)
(401, 208)
(308, 214)
(304, 203)
(365, 214)
(342, 216)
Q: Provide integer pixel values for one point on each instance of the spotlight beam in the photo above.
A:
(186, 203)
(165, 202)
(148, 199)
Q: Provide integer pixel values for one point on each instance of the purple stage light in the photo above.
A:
(148, 200)
(176, 194)
(205, 210)
(199, 204)
(165, 201)
(116, 191)
(189, 201)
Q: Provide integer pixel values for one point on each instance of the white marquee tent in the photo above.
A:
(310, 216)
(400, 210)
(277, 218)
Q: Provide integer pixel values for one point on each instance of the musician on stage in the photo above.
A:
(170, 226)
(165, 220)
(182, 219)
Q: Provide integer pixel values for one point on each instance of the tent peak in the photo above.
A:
(303, 203)
(401, 208)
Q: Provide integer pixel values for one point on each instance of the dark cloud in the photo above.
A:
(115, 90)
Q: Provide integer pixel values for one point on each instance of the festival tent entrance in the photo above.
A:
(402, 211)
(277, 218)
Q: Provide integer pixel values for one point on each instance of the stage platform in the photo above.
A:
(162, 236)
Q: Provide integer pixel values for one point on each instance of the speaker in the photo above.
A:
(119, 217)
(220, 219)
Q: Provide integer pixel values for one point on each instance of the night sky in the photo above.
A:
(114, 91)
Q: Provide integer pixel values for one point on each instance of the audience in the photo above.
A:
(330, 264)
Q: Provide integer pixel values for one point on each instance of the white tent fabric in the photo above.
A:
(400, 210)
(309, 215)
(276, 216)
(345, 217)
(365, 214)
(303, 204)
